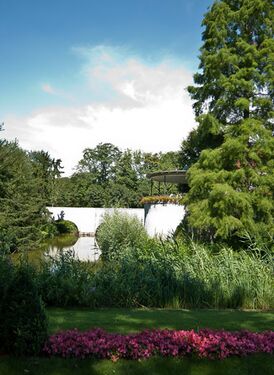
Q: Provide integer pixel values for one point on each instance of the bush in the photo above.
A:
(6, 276)
(24, 327)
(118, 232)
(49, 230)
(65, 226)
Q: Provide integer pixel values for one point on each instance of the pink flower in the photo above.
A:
(206, 344)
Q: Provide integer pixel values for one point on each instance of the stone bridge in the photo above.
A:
(87, 219)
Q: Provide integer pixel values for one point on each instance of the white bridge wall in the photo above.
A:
(158, 219)
(88, 219)
(162, 219)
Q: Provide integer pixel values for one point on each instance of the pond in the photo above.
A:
(85, 248)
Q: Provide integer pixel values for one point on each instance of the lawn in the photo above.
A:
(132, 320)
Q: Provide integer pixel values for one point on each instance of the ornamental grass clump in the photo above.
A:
(206, 343)
(118, 232)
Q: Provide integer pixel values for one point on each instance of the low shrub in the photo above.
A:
(49, 230)
(65, 227)
(167, 343)
(24, 322)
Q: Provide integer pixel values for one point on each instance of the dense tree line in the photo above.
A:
(109, 177)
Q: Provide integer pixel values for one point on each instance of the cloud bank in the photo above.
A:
(133, 104)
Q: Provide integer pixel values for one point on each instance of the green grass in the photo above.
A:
(126, 320)
(252, 365)
(133, 320)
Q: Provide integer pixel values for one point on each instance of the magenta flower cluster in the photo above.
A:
(206, 343)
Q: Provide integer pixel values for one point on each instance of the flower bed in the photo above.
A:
(206, 343)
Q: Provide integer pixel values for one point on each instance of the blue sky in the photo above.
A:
(52, 50)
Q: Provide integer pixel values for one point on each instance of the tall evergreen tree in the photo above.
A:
(22, 209)
(232, 180)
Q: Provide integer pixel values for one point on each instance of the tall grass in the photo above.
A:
(180, 278)
(64, 280)
(227, 279)
(138, 271)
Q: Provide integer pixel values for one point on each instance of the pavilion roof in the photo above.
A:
(171, 177)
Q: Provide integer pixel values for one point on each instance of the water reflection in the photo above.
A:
(85, 248)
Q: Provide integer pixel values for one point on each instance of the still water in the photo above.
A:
(85, 248)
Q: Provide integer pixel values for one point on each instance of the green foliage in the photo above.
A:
(172, 276)
(231, 181)
(65, 227)
(208, 135)
(22, 209)
(79, 190)
(65, 281)
(236, 62)
(100, 161)
(139, 271)
(49, 230)
(6, 278)
(23, 319)
(108, 177)
(118, 232)
(161, 274)
(46, 170)
(231, 187)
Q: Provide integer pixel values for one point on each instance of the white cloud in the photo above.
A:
(148, 109)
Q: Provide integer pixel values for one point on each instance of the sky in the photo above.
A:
(75, 73)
